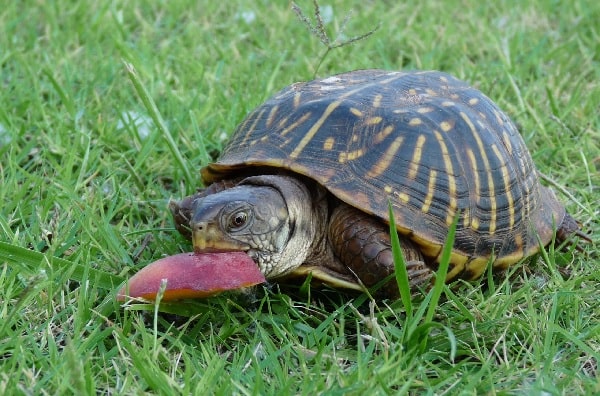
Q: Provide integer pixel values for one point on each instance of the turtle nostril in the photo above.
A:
(200, 228)
(200, 235)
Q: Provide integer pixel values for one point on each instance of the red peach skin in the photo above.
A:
(191, 275)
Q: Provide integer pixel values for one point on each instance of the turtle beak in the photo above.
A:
(208, 237)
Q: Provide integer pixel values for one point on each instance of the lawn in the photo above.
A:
(86, 173)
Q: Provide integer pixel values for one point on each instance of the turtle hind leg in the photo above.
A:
(362, 243)
(568, 228)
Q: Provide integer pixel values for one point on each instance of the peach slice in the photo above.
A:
(193, 275)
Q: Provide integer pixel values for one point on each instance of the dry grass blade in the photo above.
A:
(318, 30)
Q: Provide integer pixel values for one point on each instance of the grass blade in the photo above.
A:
(159, 122)
(29, 261)
(400, 265)
(440, 276)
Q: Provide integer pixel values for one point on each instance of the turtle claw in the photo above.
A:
(420, 275)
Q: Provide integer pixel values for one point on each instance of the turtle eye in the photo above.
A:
(238, 219)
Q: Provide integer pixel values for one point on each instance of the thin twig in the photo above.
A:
(560, 188)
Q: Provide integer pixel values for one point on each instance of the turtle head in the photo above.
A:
(265, 216)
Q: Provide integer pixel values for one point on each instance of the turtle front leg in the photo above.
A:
(362, 243)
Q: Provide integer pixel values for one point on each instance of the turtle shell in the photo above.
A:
(425, 141)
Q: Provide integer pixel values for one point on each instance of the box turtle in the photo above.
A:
(304, 184)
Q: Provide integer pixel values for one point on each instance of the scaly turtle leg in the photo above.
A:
(362, 243)
(568, 228)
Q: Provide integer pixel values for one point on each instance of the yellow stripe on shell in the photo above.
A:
(356, 112)
(519, 246)
(506, 180)
(457, 264)
(282, 122)
(295, 124)
(430, 191)
(297, 97)
(413, 168)
(250, 130)
(415, 121)
(498, 117)
(317, 125)
(486, 164)
(377, 100)
(271, 115)
(380, 136)
(373, 120)
(386, 160)
(477, 266)
(328, 144)
(473, 163)
(447, 125)
(476, 181)
(506, 141)
(355, 154)
(466, 213)
(451, 210)
(427, 247)
(402, 196)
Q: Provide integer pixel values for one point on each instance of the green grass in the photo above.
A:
(85, 177)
